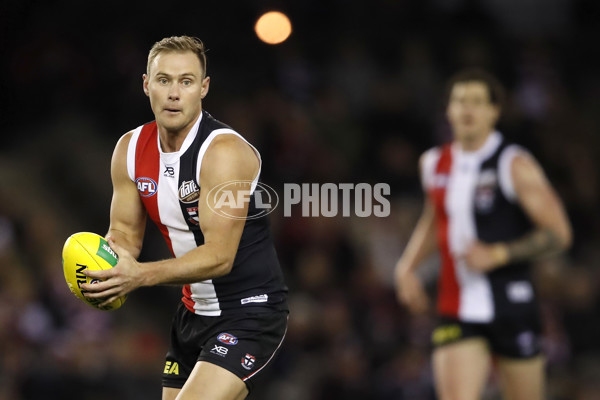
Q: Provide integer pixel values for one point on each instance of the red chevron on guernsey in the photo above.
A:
(147, 174)
(449, 290)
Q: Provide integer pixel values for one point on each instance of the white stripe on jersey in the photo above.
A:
(182, 239)
(225, 131)
(504, 170)
(430, 160)
(476, 302)
(131, 152)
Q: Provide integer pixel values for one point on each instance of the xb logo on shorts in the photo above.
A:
(248, 361)
(220, 350)
(146, 186)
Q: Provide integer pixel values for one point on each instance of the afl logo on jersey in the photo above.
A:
(188, 192)
(440, 181)
(146, 186)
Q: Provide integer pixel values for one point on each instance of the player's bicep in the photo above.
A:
(538, 199)
(127, 213)
(426, 165)
(228, 168)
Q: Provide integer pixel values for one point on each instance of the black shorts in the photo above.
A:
(241, 343)
(518, 338)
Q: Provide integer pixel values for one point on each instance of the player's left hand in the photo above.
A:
(117, 281)
(485, 257)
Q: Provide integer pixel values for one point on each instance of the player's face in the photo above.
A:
(470, 112)
(176, 88)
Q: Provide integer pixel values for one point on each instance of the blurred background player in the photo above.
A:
(233, 314)
(489, 211)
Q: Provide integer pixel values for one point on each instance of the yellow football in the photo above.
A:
(88, 250)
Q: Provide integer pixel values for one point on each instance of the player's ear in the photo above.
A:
(447, 112)
(205, 86)
(145, 84)
(496, 113)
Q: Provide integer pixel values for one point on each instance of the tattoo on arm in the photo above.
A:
(537, 243)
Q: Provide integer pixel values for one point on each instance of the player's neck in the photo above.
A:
(471, 143)
(171, 141)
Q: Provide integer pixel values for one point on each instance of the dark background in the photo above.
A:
(355, 95)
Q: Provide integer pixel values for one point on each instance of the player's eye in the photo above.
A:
(163, 81)
(186, 82)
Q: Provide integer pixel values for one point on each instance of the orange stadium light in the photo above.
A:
(273, 27)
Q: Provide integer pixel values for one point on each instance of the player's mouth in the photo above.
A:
(468, 120)
(172, 110)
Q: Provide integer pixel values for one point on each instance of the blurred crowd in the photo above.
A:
(355, 95)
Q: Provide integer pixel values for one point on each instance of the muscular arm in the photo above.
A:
(421, 244)
(552, 232)
(228, 158)
(544, 208)
(127, 213)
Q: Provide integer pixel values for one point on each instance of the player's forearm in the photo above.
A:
(208, 261)
(540, 242)
(421, 245)
(132, 244)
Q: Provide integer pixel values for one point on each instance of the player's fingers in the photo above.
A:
(107, 302)
(118, 249)
(112, 291)
(96, 287)
(101, 274)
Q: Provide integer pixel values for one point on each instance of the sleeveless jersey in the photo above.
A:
(474, 198)
(169, 189)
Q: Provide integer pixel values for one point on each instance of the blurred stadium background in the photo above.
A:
(354, 95)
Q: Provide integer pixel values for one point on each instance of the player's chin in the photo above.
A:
(172, 121)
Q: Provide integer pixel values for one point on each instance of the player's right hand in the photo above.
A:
(117, 281)
(411, 293)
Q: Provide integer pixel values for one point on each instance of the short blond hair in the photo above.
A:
(178, 44)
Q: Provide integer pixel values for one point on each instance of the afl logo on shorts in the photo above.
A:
(227, 338)
(146, 186)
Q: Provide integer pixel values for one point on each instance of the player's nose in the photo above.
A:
(174, 92)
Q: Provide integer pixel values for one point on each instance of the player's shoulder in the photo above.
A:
(427, 164)
(228, 147)
(508, 146)
(229, 155)
(123, 143)
(211, 123)
(432, 151)
(125, 138)
(431, 155)
(134, 134)
(514, 155)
